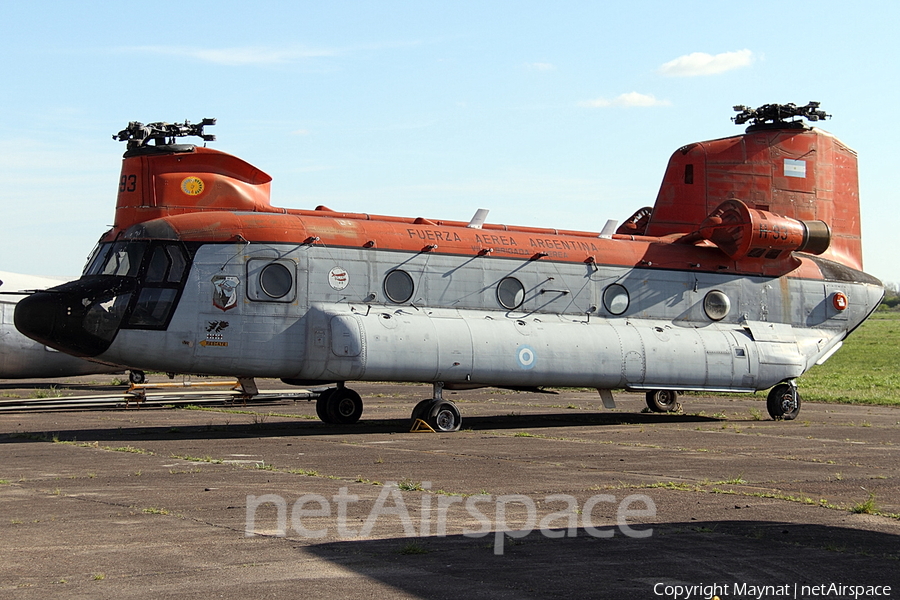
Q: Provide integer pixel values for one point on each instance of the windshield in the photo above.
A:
(118, 258)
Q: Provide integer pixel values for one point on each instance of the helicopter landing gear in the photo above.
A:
(662, 400)
(339, 406)
(441, 415)
(784, 401)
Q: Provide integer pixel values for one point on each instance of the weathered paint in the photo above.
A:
(319, 295)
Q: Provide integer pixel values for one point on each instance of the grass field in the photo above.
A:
(866, 370)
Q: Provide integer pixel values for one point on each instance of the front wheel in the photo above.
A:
(322, 406)
(783, 402)
(344, 406)
(662, 400)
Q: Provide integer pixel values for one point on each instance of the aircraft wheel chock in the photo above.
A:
(444, 416)
(783, 402)
(344, 406)
(662, 400)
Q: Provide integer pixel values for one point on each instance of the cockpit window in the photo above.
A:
(153, 308)
(120, 258)
(166, 265)
(95, 260)
(161, 285)
(159, 264)
(103, 317)
(179, 262)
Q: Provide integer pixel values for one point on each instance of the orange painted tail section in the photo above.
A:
(802, 173)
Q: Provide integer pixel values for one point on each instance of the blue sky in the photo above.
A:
(555, 114)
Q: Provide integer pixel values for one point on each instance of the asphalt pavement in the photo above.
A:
(538, 496)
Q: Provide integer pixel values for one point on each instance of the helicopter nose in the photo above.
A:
(76, 318)
(37, 316)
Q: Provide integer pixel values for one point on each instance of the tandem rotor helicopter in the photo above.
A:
(746, 272)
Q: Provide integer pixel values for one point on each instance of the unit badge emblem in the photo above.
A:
(225, 291)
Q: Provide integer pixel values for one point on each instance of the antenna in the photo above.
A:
(478, 218)
(137, 134)
(609, 229)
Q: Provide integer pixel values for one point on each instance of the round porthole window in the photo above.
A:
(510, 293)
(716, 305)
(398, 286)
(275, 280)
(615, 299)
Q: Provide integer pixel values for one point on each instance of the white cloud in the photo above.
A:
(540, 66)
(250, 55)
(700, 63)
(625, 100)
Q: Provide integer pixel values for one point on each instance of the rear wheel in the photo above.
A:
(783, 402)
(444, 416)
(662, 400)
(421, 410)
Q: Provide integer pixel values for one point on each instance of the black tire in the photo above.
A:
(137, 377)
(783, 402)
(344, 406)
(322, 406)
(421, 410)
(444, 416)
(662, 400)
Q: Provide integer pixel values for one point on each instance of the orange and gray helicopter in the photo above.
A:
(746, 272)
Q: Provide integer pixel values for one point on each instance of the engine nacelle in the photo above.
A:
(740, 231)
